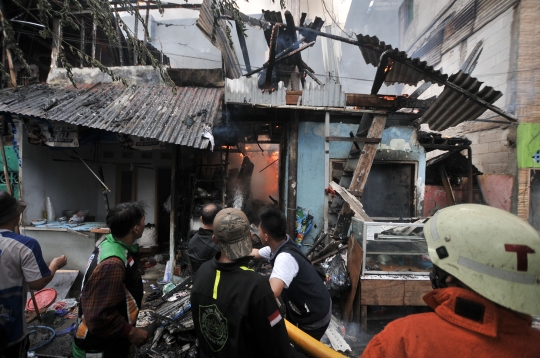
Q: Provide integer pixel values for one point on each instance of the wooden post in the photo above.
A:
(119, 36)
(83, 39)
(283, 171)
(136, 28)
(173, 209)
(243, 46)
(146, 33)
(12, 72)
(57, 40)
(293, 173)
(447, 187)
(94, 30)
(225, 176)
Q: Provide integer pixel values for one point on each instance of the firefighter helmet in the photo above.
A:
(493, 252)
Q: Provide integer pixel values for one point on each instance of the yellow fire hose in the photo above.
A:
(309, 344)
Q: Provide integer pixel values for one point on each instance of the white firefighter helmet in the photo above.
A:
(493, 252)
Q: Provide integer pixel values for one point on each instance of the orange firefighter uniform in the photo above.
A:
(464, 324)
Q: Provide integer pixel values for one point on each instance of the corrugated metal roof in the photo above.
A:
(206, 24)
(246, 90)
(328, 95)
(452, 107)
(154, 112)
(372, 49)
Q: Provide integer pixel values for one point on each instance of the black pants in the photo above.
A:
(18, 350)
(315, 333)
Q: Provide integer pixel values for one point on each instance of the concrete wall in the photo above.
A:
(493, 64)
(424, 13)
(56, 174)
(398, 144)
(182, 41)
(310, 192)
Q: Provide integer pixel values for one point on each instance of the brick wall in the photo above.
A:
(528, 86)
(493, 146)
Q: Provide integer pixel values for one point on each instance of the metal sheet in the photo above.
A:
(219, 39)
(154, 112)
(400, 72)
(452, 108)
(329, 95)
(246, 90)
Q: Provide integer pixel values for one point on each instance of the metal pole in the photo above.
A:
(470, 176)
(173, 210)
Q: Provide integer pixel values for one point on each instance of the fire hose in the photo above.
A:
(309, 344)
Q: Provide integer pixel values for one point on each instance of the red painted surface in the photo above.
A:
(497, 190)
(435, 197)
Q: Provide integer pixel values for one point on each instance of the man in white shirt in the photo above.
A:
(293, 277)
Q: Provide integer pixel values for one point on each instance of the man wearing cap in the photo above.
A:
(234, 310)
(21, 266)
(486, 285)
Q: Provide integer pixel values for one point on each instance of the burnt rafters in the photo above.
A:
(271, 57)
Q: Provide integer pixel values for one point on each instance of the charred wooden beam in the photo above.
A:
(353, 139)
(243, 46)
(292, 178)
(271, 57)
(368, 154)
(385, 66)
(277, 60)
(370, 100)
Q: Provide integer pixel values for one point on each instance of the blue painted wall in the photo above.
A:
(398, 143)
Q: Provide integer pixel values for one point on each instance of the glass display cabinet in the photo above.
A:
(392, 248)
(395, 266)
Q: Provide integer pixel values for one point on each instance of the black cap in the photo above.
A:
(9, 207)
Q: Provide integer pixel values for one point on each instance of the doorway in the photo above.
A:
(126, 184)
(390, 190)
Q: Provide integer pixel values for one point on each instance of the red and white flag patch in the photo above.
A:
(274, 318)
(130, 261)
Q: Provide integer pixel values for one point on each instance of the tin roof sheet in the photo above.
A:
(405, 70)
(154, 112)
(205, 23)
(451, 107)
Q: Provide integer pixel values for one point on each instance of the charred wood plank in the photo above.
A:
(243, 46)
(271, 57)
(368, 154)
(353, 202)
(370, 100)
(352, 139)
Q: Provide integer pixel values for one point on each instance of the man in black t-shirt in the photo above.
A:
(201, 248)
(234, 309)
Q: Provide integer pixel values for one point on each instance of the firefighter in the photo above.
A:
(486, 280)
